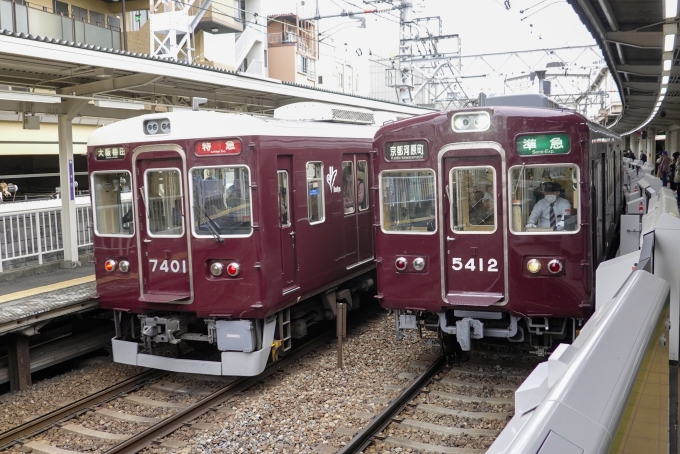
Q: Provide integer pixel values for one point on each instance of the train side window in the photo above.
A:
(316, 210)
(348, 187)
(362, 181)
(472, 193)
(408, 202)
(545, 198)
(284, 219)
(165, 216)
(221, 201)
(113, 208)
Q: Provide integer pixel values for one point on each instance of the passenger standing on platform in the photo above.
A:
(676, 175)
(664, 167)
(674, 161)
(643, 156)
(549, 212)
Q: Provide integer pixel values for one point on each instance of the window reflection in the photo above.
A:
(221, 201)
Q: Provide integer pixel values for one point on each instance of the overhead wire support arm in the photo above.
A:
(352, 13)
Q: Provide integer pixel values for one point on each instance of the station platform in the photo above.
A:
(28, 305)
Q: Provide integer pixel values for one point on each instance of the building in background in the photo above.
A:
(293, 49)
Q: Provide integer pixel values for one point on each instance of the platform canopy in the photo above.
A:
(56, 71)
(638, 41)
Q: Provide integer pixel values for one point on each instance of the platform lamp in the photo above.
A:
(670, 9)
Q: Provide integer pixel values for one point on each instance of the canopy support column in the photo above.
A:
(69, 221)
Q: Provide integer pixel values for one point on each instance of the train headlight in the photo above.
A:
(233, 269)
(110, 265)
(555, 266)
(216, 269)
(124, 266)
(419, 264)
(401, 263)
(534, 266)
(469, 122)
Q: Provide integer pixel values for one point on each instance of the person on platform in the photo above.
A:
(643, 156)
(549, 212)
(664, 167)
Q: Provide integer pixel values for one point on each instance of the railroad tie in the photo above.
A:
(445, 430)
(431, 448)
(467, 399)
(119, 415)
(87, 432)
(454, 382)
(154, 403)
(42, 448)
(461, 413)
(460, 370)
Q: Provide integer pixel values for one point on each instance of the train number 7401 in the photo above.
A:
(475, 265)
(174, 266)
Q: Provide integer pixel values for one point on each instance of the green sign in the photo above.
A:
(543, 144)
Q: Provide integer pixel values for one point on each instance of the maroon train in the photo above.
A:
(466, 245)
(230, 230)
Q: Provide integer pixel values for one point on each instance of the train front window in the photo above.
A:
(408, 202)
(544, 198)
(221, 201)
(471, 191)
(113, 211)
(165, 215)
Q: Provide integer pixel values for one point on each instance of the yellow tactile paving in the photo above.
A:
(45, 289)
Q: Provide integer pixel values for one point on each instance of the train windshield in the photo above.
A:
(113, 212)
(408, 201)
(545, 198)
(221, 201)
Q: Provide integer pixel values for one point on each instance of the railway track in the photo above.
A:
(457, 409)
(181, 404)
(158, 403)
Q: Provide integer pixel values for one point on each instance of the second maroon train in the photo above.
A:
(239, 233)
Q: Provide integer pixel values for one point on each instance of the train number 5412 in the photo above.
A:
(475, 265)
(174, 266)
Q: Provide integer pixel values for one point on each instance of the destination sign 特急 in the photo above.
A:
(406, 151)
(543, 144)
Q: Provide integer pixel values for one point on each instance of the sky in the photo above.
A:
(484, 26)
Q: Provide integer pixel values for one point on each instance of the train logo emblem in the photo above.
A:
(330, 179)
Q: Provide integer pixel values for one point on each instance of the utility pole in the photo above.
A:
(405, 68)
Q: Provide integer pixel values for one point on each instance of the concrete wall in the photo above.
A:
(139, 41)
(282, 63)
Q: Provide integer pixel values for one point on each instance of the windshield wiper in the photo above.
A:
(212, 226)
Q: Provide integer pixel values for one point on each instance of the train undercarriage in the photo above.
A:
(540, 334)
(244, 345)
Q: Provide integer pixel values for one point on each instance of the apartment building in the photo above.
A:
(293, 49)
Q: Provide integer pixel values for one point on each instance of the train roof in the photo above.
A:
(207, 124)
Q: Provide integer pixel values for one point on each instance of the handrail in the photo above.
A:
(31, 231)
(577, 398)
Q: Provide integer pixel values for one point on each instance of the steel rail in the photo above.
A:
(362, 439)
(180, 419)
(42, 423)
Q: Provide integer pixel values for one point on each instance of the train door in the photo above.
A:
(287, 223)
(474, 235)
(165, 263)
(356, 214)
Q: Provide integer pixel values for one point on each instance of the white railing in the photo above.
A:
(30, 232)
(256, 67)
(250, 35)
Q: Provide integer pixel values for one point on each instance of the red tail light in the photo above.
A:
(641, 208)
(233, 269)
(110, 266)
(555, 266)
(401, 263)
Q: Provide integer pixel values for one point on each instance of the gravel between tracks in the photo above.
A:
(50, 394)
(301, 408)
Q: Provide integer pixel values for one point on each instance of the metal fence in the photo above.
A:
(31, 233)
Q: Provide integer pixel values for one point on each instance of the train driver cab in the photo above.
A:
(544, 198)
